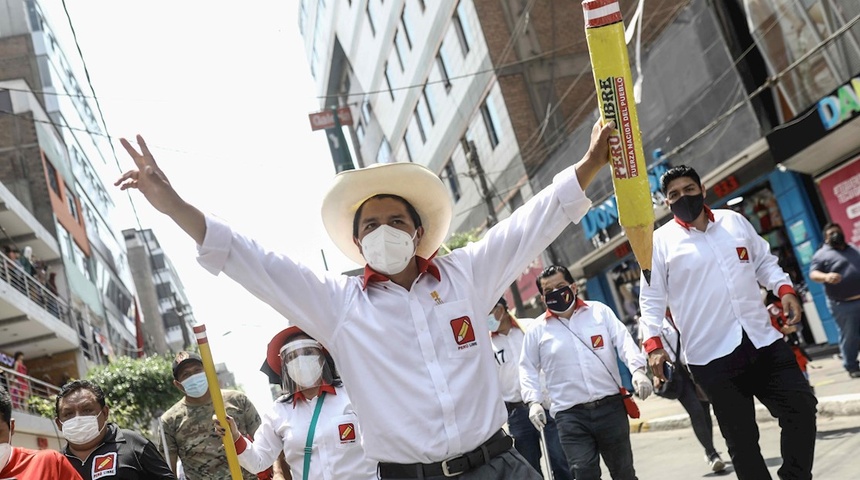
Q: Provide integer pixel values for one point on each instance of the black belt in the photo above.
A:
(511, 406)
(499, 443)
(597, 403)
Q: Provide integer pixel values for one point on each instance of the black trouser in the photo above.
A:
(770, 374)
(700, 416)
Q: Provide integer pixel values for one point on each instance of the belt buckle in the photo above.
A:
(449, 473)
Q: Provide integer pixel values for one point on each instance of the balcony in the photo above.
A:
(32, 318)
(32, 402)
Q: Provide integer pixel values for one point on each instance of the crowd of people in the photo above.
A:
(413, 369)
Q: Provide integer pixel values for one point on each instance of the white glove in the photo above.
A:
(642, 384)
(537, 416)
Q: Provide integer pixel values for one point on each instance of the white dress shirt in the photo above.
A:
(417, 363)
(710, 281)
(507, 348)
(336, 449)
(578, 357)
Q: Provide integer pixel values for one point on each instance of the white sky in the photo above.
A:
(221, 92)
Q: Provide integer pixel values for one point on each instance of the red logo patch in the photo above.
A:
(104, 465)
(743, 255)
(463, 332)
(597, 342)
(347, 432)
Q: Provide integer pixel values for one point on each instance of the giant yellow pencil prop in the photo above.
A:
(604, 31)
(217, 400)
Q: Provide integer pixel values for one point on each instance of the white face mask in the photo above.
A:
(81, 430)
(196, 385)
(493, 324)
(305, 370)
(5, 454)
(388, 250)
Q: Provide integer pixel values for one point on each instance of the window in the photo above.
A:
(6, 101)
(488, 112)
(450, 175)
(399, 48)
(406, 145)
(52, 177)
(428, 101)
(158, 261)
(384, 153)
(443, 71)
(359, 131)
(461, 26)
(419, 125)
(365, 111)
(406, 35)
(370, 19)
(388, 82)
(163, 290)
(73, 204)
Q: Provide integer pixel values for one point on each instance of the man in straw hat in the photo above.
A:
(410, 336)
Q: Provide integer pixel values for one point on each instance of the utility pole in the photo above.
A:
(476, 169)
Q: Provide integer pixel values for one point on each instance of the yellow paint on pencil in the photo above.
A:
(609, 62)
(218, 401)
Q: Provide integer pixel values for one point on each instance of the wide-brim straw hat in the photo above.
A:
(415, 183)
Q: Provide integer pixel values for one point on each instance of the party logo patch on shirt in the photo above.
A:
(104, 465)
(464, 334)
(597, 342)
(346, 432)
(743, 254)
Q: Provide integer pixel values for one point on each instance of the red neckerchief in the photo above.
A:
(424, 266)
(323, 388)
(686, 225)
(513, 324)
(577, 304)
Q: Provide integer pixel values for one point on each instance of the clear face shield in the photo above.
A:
(303, 366)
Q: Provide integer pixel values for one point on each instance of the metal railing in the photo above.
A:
(22, 387)
(13, 274)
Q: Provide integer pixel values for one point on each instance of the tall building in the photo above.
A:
(55, 154)
(481, 92)
(760, 96)
(168, 317)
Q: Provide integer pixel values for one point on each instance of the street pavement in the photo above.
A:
(665, 447)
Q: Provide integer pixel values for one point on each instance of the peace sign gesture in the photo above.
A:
(158, 191)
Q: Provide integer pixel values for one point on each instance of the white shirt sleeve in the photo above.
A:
(264, 450)
(313, 303)
(530, 378)
(767, 269)
(623, 342)
(653, 296)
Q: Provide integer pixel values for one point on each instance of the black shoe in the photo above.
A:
(854, 374)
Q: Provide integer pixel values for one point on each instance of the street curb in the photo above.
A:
(833, 406)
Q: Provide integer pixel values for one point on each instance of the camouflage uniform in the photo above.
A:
(191, 436)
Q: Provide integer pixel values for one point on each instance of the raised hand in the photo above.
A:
(158, 191)
(148, 178)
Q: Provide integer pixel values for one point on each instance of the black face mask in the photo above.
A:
(688, 207)
(837, 239)
(560, 300)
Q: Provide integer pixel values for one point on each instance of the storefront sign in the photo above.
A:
(840, 190)
(840, 106)
(727, 186)
(605, 215)
(817, 121)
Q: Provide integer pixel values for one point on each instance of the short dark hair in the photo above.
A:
(76, 385)
(552, 270)
(18, 354)
(675, 173)
(5, 406)
(416, 219)
(830, 225)
(503, 303)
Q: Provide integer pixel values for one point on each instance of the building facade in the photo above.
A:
(762, 97)
(168, 323)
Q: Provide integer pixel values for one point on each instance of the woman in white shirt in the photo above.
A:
(314, 410)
